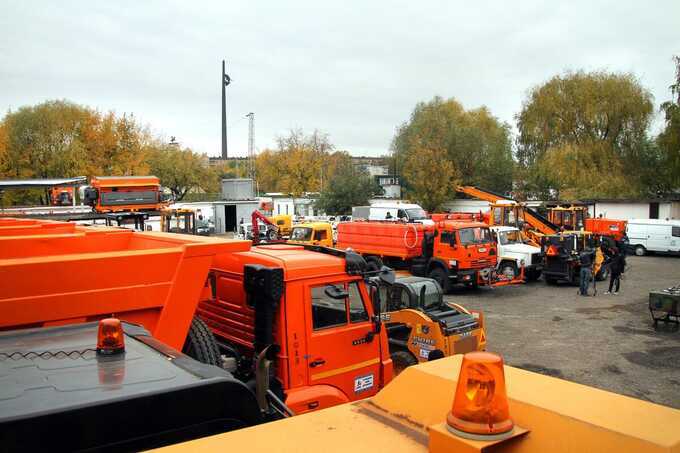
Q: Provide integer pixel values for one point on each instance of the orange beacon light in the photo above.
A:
(110, 338)
(480, 407)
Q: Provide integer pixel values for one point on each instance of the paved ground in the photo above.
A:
(604, 341)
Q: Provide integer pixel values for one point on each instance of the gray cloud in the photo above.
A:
(352, 69)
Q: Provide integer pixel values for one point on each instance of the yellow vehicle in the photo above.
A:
(312, 233)
(421, 326)
(283, 222)
(569, 218)
(178, 221)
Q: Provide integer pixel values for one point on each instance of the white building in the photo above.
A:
(662, 208)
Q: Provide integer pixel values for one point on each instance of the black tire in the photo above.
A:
(440, 275)
(509, 269)
(640, 250)
(201, 345)
(402, 360)
(373, 263)
(271, 235)
(533, 274)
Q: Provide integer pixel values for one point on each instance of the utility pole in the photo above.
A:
(251, 145)
(225, 80)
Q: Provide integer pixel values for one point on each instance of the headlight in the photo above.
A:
(453, 263)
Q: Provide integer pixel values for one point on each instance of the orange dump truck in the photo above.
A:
(124, 193)
(80, 274)
(449, 252)
(307, 313)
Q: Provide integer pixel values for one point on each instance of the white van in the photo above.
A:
(652, 235)
(394, 211)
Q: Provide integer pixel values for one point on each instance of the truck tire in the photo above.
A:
(509, 269)
(401, 360)
(440, 275)
(640, 250)
(201, 345)
(533, 274)
(373, 263)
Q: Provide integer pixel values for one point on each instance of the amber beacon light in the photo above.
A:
(110, 338)
(480, 407)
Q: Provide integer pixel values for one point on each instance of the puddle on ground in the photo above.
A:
(540, 369)
(663, 357)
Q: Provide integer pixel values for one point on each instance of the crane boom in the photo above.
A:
(533, 218)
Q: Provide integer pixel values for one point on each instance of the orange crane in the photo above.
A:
(506, 211)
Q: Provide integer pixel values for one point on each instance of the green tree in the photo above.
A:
(347, 187)
(430, 177)
(669, 139)
(179, 169)
(582, 112)
(476, 143)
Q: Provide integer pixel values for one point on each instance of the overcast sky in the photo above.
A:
(354, 70)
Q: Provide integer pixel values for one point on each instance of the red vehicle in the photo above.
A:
(449, 252)
(307, 314)
(615, 229)
(125, 193)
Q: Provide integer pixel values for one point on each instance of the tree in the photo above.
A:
(430, 177)
(297, 165)
(180, 170)
(347, 187)
(476, 143)
(669, 139)
(588, 111)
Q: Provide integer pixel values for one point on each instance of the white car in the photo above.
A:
(513, 253)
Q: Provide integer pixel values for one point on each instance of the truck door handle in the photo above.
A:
(316, 363)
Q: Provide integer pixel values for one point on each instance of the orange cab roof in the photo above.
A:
(129, 181)
(297, 263)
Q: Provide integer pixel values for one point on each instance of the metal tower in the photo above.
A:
(251, 145)
(225, 81)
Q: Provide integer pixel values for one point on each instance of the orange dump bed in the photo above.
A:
(29, 227)
(607, 227)
(152, 279)
(393, 239)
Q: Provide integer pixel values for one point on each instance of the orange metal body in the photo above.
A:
(86, 274)
(57, 199)
(607, 227)
(129, 185)
(403, 242)
(345, 357)
(390, 239)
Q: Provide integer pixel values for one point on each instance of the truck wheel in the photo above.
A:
(509, 269)
(442, 277)
(640, 250)
(373, 263)
(201, 345)
(402, 360)
(533, 275)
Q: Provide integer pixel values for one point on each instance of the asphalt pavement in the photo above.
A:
(606, 341)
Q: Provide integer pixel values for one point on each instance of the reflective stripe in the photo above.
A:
(336, 371)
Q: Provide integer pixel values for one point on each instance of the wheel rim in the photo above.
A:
(639, 251)
(508, 271)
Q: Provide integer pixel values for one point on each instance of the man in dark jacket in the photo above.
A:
(617, 267)
(586, 258)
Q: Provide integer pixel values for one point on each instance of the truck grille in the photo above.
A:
(537, 258)
(483, 263)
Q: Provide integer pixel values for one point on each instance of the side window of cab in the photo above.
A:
(330, 312)
(448, 237)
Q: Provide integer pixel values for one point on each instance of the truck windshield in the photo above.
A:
(477, 235)
(509, 237)
(416, 214)
(301, 234)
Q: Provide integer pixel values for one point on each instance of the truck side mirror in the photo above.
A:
(387, 275)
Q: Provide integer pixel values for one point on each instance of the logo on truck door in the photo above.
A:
(363, 383)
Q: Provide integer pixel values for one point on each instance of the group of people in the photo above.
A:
(592, 260)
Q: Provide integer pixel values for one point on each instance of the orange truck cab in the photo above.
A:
(125, 193)
(449, 252)
(302, 317)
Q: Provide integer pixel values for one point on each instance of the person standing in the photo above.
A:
(617, 267)
(586, 258)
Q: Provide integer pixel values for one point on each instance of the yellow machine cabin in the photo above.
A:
(312, 233)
